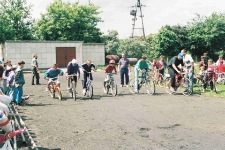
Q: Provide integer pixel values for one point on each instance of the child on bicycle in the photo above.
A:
(73, 68)
(87, 67)
(141, 66)
(109, 69)
(53, 72)
(209, 75)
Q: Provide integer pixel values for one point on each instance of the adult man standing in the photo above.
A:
(124, 68)
(34, 69)
(189, 65)
(206, 58)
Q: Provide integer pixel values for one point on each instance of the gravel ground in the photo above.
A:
(124, 122)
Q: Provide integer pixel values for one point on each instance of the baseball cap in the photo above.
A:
(181, 55)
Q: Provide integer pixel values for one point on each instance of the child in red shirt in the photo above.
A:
(109, 69)
(221, 70)
(221, 67)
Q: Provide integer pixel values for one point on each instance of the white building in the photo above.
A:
(50, 52)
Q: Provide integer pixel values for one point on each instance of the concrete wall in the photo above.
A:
(95, 52)
(46, 50)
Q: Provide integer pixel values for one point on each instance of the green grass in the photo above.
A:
(221, 92)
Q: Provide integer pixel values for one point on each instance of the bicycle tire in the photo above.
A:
(160, 82)
(106, 89)
(74, 93)
(150, 87)
(90, 91)
(200, 85)
(59, 93)
(52, 92)
(132, 86)
(167, 85)
(113, 88)
(215, 86)
(186, 89)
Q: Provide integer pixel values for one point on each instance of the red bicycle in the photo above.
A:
(53, 87)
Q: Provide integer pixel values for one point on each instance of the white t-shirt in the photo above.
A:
(188, 60)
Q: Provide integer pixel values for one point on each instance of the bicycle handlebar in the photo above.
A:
(73, 75)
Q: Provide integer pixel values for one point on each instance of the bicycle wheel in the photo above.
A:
(215, 86)
(186, 87)
(132, 86)
(90, 91)
(52, 92)
(200, 85)
(160, 80)
(59, 93)
(113, 88)
(73, 92)
(167, 85)
(106, 88)
(150, 87)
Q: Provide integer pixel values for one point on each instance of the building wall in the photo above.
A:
(95, 52)
(46, 50)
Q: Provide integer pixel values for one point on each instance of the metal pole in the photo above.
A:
(142, 22)
(34, 146)
(135, 17)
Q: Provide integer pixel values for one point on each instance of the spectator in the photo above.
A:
(19, 82)
(206, 58)
(218, 61)
(124, 68)
(34, 65)
(202, 63)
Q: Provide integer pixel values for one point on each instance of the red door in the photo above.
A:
(64, 55)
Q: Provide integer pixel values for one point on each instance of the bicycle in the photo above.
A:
(180, 83)
(221, 78)
(72, 86)
(144, 82)
(110, 84)
(209, 78)
(89, 87)
(157, 77)
(53, 88)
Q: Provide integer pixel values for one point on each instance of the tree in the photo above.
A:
(182, 35)
(111, 41)
(207, 34)
(134, 48)
(16, 22)
(70, 21)
(165, 43)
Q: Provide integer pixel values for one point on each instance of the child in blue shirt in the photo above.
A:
(53, 72)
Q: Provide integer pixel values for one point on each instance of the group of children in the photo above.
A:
(13, 81)
(208, 70)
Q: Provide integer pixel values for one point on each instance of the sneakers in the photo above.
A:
(172, 89)
(121, 85)
(68, 87)
(127, 85)
(84, 92)
(46, 89)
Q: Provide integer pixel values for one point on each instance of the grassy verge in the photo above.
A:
(221, 92)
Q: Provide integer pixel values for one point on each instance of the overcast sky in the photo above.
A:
(116, 13)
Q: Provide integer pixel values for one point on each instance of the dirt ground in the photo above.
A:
(124, 122)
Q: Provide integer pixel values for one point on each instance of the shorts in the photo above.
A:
(74, 78)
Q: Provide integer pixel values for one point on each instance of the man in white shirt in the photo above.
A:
(189, 65)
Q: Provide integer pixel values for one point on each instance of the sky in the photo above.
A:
(157, 13)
